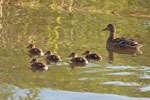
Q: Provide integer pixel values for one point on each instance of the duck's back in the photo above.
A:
(93, 56)
(35, 51)
(53, 58)
(124, 43)
(78, 60)
(38, 65)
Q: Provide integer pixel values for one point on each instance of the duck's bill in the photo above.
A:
(84, 53)
(45, 54)
(69, 56)
(105, 29)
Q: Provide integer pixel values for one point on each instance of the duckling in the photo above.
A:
(35, 65)
(78, 61)
(124, 43)
(33, 51)
(51, 58)
(92, 56)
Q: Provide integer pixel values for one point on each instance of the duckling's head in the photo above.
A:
(48, 53)
(33, 61)
(73, 54)
(31, 46)
(87, 52)
(110, 27)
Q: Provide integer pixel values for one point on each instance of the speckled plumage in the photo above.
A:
(92, 56)
(33, 51)
(51, 58)
(124, 43)
(78, 60)
(35, 65)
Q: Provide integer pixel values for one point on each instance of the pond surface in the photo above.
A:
(63, 32)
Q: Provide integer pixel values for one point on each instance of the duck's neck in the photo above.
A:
(111, 36)
(49, 53)
(33, 47)
(35, 61)
(74, 56)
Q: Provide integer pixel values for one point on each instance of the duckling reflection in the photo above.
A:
(77, 61)
(38, 66)
(92, 56)
(51, 58)
(33, 51)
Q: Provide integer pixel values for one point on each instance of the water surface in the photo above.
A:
(63, 32)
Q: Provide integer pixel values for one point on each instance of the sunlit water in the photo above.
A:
(127, 78)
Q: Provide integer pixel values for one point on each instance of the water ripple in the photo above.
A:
(147, 88)
(121, 73)
(121, 67)
(122, 83)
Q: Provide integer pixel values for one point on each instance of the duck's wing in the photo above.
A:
(38, 65)
(93, 56)
(78, 60)
(55, 57)
(126, 43)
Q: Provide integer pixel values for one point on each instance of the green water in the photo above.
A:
(63, 32)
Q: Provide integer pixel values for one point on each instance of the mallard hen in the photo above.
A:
(124, 43)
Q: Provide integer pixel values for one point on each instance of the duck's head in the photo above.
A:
(48, 53)
(87, 52)
(33, 61)
(110, 27)
(31, 46)
(73, 54)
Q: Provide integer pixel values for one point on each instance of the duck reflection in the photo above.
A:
(74, 66)
(111, 51)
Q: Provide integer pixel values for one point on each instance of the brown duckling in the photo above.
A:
(124, 43)
(35, 65)
(51, 58)
(33, 51)
(92, 56)
(78, 61)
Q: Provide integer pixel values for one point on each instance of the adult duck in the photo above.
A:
(77, 61)
(51, 58)
(92, 56)
(35, 65)
(121, 43)
(34, 51)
